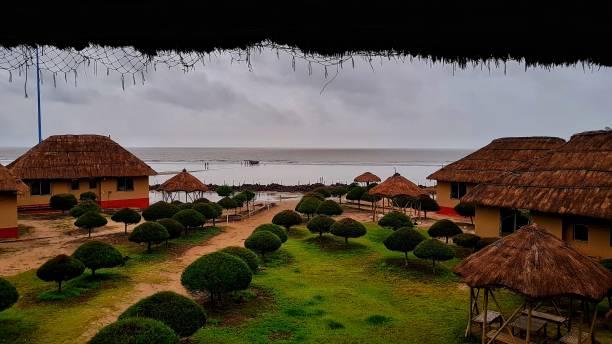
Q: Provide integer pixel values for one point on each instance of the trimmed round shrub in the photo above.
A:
(189, 218)
(224, 190)
(444, 229)
(484, 242)
(338, 191)
(429, 204)
(404, 239)
(287, 218)
(466, 240)
(314, 195)
(227, 203)
(8, 294)
(308, 206)
(181, 314)
(149, 232)
(210, 210)
(404, 201)
(355, 193)
(90, 220)
(249, 195)
(240, 199)
(466, 210)
(88, 196)
(184, 206)
(435, 250)
(136, 331)
(84, 207)
(395, 220)
(348, 228)
(366, 197)
(276, 229)
(329, 207)
(62, 202)
(59, 269)
(159, 210)
(245, 254)
(201, 200)
(217, 273)
(126, 216)
(263, 242)
(320, 224)
(174, 228)
(323, 191)
(98, 255)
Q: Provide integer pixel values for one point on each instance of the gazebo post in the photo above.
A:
(484, 317)
(529, 308)
(470, 313)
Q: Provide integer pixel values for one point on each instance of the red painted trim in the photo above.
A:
(12, 233)
(140, 203)
(448, 211)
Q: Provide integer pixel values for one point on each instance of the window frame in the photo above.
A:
(457, 194)
(38, 183)
(125, 184)
(73, 183)
(574, 236)
(93, 184)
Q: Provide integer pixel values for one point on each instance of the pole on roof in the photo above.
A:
(38, 97)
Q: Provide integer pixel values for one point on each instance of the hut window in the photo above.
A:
(511, 220)
(40, 188)
(458, 190)
(74, 185)
(125, 184)
(581, 232)
(92, 184)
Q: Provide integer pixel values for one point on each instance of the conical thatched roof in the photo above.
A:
(575, 179)
(8, 182)
(499, 156)
(396, 185)
(367, 177)
(537, 264)
(78, 156)
(183, 181)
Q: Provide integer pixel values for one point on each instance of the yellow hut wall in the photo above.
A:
(486, 222)
(8, 215)
(443, 194)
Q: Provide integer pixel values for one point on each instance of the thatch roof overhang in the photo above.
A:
(183, 181)
(78, 156)
(9, 183)
(367, 177)
(499, 156)
(395, 186)
(574, 179)
(538, 265)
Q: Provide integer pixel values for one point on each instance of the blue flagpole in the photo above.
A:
(38, 97)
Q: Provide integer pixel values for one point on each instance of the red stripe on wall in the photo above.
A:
(126, 203)
(6, 233)
(448, 211)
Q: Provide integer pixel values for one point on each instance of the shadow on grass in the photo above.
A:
(417, 268)
(296, 232)
(83, 287)
(232, 310)
(276, 259)
(16, 329)
(334, 244)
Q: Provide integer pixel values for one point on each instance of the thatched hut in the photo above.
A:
(484, 165)
(9, 188)
(79, 163)
(568, 190)
(538, 266)
(367, 178)
(183, 182)
(396, 186)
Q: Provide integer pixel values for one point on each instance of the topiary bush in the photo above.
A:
(189, 218)
(245, 254)
(181, 314)
(174, 228)
(90, 220)
(466, 240)
(338, 191)
(159, 210)
(276, 229)
(484, 242)
(287, 218)
(348, 228)
(308, 206)
(227, 203)
(263, 242)
(435, 250)
(88, 196)
(98, 255)
(314, 195)
(395, 220)
(149, 232)
(84, 207)
(329, 208)
(136, 331)
(355, 193)
(249, 196)
(8, 294)
(59, 269)
(217, 273)
(320, 224)
(201, 200)
(184, 206)
(466, 210)
(240, 199)
(429, 204)
(366, 197)
(322, 190)
(224, 190)
(210, 210)
(126, 216)
(404, 240)
(444, 229)
(62, 202)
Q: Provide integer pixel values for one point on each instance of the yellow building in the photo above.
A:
(501, 155)
(9, 188)
(81, 163)
(568, 191)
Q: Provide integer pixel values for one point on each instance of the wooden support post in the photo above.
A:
(485, 310)
(529, 308)
(470, 313)
(505, 324)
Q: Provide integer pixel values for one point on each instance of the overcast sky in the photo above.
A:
(393, 104)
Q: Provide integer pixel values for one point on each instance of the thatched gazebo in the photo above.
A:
(183, 182)
(396, 186)
(539, 267)
(367, 178)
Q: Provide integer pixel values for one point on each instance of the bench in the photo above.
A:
(556, 319)
(506, 338)
(572, 338)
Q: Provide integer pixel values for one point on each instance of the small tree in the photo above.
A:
(395, 220)
(201, 200)
(245, 254)
(184, 206)
(88, 196)
(174, 228)
(366, 197)
(355, 193)
(217, 273)
(159, 210)
(149, 232)
(308, 206)
(62, 202)
(338, 191)
(181, 314)
(320, 224)
(466, 210)
(59, 269)
(224, 190)
(314, 195)
(209, 210)
(228, 203)
(466, 240)
(323, 191)
(287, 218)
(240, 200)
(263, 242)
(89, 221)
(8, 294)
(135, 331)
(84, 207)
(435, 250)
(126, 216)
(444, 229)
(429, 204)
(276, 229)
(404, 240)
(348, 228)
(98, 255)
(189, 218)
(249, 196)
(329, 207)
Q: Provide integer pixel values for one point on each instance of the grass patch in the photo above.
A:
(334, 325)
(378, 319)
